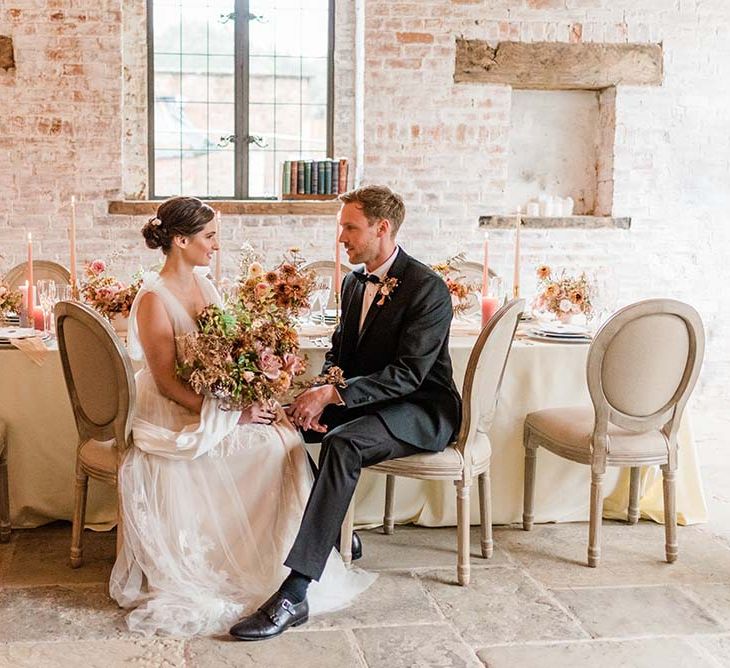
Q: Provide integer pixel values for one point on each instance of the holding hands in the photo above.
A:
(306, 410)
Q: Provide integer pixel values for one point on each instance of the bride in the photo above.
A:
(211, 500)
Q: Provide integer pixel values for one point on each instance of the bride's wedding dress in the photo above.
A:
(209, 508)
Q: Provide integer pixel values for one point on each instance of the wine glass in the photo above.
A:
(322, 290)
(47, 296)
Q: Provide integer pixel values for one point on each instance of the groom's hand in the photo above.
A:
(307, 408)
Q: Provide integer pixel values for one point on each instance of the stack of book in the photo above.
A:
(313, 179)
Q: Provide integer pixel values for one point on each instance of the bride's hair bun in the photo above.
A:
(179, 216)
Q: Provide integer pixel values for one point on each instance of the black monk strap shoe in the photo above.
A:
(271, 619)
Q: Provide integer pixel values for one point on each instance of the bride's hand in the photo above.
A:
(257, 414)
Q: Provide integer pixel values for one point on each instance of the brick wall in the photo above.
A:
(73, 120)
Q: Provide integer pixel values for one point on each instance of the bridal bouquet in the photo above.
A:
(563, 296)
(10, 300)
(248, 351)
(104, 293)
(459, 288)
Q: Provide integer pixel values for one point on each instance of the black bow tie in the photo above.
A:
(366, 278)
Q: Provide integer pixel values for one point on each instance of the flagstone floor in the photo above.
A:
(534, 603)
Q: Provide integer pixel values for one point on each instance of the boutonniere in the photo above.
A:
(385, 289)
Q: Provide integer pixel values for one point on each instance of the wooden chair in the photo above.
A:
(327, 268)
(469, 455)
(100, 384)
(642, 366)
(4, 490)
(41, 269)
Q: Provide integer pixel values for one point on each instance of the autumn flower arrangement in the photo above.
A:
(104, 293)
(459, 288)
(248, 351)
(10, 300)
(564, 296)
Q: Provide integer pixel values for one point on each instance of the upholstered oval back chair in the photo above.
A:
(642, 367)
(100, 383)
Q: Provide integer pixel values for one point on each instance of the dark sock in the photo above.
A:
(295, 586)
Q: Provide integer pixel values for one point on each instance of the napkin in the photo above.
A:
(465, 327)
(33, 347)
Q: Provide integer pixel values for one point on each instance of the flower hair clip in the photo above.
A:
(155, 221)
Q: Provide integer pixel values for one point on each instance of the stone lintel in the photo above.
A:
(558, 65)
(237, 207)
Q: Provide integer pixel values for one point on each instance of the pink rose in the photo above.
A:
(104, 293)
(269, 364)
(97, 267)
(261, 289)
(293, 364)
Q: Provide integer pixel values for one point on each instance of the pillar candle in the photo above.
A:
(490, 305)
(516, 278)
(338, 262)
(485, 267)
(31, 295)
(38, 319)
(218, 253)
(72, 242)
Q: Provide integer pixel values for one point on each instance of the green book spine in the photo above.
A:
(322, 184)
(335, 177)
(286, 178)
(315, 177)
(327, 177)
(308, 177)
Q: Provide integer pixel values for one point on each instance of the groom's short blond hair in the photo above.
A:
(378, 202)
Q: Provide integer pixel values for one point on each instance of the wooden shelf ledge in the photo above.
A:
(249, 207)
(499, 222)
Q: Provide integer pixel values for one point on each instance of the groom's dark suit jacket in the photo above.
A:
(398, 366)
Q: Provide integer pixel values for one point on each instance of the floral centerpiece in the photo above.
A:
(248, 351)
(563, 296)
(103, 292)
(460, 289)
(10, 300)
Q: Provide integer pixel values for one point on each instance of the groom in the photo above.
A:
(400, 398)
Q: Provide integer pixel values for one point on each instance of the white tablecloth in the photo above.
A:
(42, 441)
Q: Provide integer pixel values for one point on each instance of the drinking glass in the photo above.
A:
(47, 296)
(322, 290)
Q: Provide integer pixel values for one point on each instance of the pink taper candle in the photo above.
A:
(31, 302)
(72, 242)
(516, 278)
(218, 252)
(338, 261)
(485, 267)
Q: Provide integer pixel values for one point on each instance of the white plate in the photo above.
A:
(562, 329)
(8, 333)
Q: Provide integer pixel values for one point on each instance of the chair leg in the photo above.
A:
(596, 518)
(79, 517)
(463, 568)
(528, 503)
(388, 523)
(346, 534)
(670, 514)
(120, 523)
(633, 515)
(485, 513)
(4, 499)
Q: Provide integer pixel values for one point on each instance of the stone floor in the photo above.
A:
(534, 603)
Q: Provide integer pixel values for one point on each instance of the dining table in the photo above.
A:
(42, 441)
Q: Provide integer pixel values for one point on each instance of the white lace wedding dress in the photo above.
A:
(210, 508)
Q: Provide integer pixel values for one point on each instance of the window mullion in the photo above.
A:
(241, 94)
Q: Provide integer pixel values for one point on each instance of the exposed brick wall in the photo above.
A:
(72, 120)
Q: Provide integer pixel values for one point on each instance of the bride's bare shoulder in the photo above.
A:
(151, 313)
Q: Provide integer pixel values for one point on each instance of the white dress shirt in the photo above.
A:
(371, 289)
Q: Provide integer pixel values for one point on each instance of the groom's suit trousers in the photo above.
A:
(346, 450)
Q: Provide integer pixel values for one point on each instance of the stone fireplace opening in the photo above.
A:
(561, 144)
